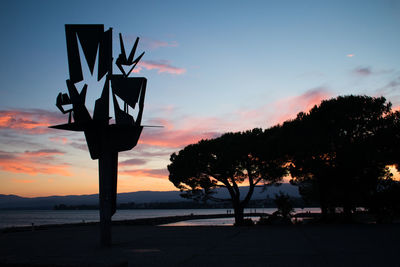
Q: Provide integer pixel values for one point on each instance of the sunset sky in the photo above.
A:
(212, 67)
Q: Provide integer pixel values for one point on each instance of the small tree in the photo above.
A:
(225, 162)
(385, 203)
(284, 205)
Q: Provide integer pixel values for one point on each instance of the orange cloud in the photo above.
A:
(44, 152)
(22, 181)
(162, 66)
(350, 55)
(29, 121)
(33, 162)
(155, 173)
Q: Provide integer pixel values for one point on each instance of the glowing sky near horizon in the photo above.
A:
(212, 67)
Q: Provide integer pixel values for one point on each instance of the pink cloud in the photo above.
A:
(174, 138)
(289, 107)
(166, 124)
(192, 129)
(162, 66)
(180, 132)
(30, 121)
(62, 140)
(189, 130)
(283, 109)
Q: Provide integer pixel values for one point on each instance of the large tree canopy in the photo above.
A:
(336, 151)
(227, 161)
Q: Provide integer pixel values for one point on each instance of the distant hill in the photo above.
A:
(17, 202)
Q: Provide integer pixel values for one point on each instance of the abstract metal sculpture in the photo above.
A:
(104, 140)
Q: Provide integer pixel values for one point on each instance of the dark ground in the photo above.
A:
(291, 245)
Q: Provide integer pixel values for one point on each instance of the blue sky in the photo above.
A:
(212, 67)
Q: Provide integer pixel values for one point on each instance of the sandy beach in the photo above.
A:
(135, 245)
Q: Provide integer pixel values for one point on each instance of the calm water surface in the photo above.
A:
(10, 218)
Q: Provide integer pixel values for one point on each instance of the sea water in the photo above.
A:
(16, 218)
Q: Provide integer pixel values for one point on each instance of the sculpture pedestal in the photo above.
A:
(108, 169)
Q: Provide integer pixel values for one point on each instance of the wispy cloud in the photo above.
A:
(176, 134)
(284, 109)
(350, 55)
(132, 162)
(149, 152)
(367, 71)
(154, 173)
(30, 121)
(162, 66)
(289, 107)
(79, 145)
(23, 181)
(147, 42)
(174, 138)
(393, 84)
(391, 90)
(155, 44)
(44, 152)
(33, 162)
(363, 71)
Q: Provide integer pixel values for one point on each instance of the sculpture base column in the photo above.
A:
(108, 169)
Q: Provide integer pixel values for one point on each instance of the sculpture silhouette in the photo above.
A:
(104, 140)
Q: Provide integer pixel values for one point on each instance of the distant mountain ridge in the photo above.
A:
(15, 202)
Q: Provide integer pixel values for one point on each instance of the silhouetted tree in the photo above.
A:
(284, 205)
(335, 153)
(226, 161)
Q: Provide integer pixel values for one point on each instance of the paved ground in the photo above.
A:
(308, 245)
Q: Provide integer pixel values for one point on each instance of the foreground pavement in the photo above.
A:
(308, 245)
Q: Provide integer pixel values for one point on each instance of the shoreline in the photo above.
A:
(155, 221)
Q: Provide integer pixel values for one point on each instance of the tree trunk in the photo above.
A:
(347, 202)
(322, 201)
(347, 211)
(239, 214)
(324, 211)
